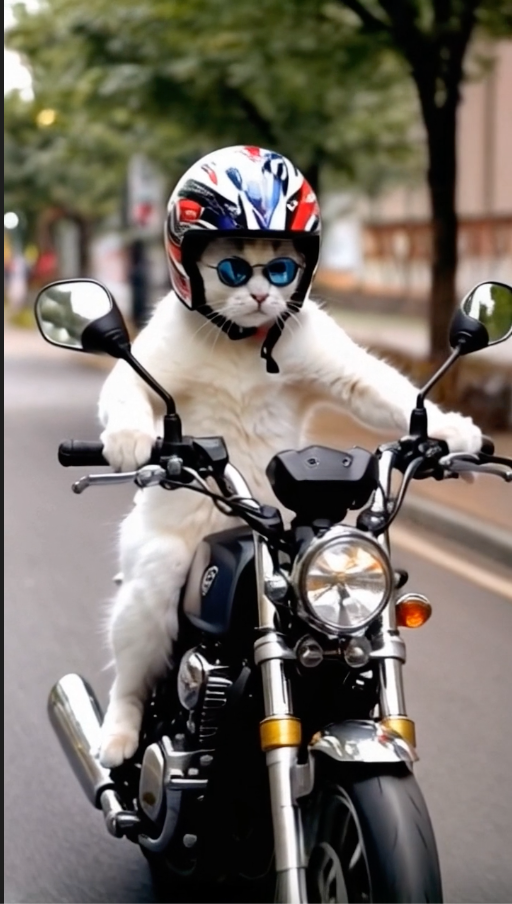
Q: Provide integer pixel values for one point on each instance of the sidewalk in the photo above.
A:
(477, 515)
(398, 332)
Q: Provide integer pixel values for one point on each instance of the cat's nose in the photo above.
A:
(260, 297)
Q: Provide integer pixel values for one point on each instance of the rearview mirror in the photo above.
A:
(484, 318)
(81, 314)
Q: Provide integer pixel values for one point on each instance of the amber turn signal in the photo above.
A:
(412, 610)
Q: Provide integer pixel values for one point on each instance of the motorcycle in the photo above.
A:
(278, 754)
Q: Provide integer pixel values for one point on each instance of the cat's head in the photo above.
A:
(250, 282)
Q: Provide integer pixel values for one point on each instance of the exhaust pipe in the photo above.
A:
(76, 718)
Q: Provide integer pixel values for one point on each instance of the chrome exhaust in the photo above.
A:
(76, 718)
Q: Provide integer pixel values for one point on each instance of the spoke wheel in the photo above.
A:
(338, 869)
(369, 838)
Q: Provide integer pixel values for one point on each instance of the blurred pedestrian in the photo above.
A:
(16, 285)
(44, 269)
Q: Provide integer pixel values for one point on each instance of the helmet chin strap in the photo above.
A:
(234, 331)
(273, 335)
(229, 327)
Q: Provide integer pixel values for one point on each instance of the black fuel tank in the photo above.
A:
(222, 568)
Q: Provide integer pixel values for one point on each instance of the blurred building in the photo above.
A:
(382, 249)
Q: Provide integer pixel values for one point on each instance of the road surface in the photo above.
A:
(60, 557)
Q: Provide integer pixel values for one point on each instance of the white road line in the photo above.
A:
(432, 553)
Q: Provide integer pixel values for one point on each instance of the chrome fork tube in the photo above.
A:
(280, 734)
(280, 730)
(290, 856)
(392, 697)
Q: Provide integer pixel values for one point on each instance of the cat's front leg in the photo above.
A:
(372, 390)
(128, 416)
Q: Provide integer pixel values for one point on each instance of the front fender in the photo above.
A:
(361, 741)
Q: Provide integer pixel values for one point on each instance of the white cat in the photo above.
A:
(221, 387)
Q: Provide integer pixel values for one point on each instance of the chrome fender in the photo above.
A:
(362, 742)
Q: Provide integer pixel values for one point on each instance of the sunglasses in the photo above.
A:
(235, 271)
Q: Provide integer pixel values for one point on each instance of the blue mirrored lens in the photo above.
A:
(281, 271)
(233, 271)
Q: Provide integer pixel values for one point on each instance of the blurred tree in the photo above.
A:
(432, 36)
(71, 167)
(181, 75)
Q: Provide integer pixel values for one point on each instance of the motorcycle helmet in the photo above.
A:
(247, 193)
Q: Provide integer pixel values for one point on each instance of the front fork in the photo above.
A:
(280, 730)
(390, 648)
(280, 734)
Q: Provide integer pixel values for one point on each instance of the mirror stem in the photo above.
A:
(439, 373)
(172, 430)
(144, 375)
(418, 423)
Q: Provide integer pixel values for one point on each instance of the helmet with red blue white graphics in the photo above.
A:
(242, 192)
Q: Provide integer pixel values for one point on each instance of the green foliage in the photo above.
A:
(50, 164)
(176, 78)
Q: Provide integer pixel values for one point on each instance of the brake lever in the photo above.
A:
(469, 462)
(493, 469)
(447, 460)
(149, 475)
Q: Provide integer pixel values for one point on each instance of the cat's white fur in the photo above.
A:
(221, 388)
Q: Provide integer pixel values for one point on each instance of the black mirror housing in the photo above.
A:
(467, 334)
(107, 335)
(82, 315)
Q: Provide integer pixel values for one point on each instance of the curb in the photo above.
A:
(482, 537)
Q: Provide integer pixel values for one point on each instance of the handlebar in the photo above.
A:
(82, 454)
(234, 491)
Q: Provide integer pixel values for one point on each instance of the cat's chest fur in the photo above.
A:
(258, 414)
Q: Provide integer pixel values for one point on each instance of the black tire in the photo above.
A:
(383, 812)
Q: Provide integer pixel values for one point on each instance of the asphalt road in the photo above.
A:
(60, 557)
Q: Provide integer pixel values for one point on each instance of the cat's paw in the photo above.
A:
(127, 450)
(118, 745)
(461, 434)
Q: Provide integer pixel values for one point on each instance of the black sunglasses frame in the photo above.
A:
(252, 267)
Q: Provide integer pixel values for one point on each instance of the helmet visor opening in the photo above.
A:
(195, 242)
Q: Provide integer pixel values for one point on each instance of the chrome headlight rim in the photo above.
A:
(300, 573)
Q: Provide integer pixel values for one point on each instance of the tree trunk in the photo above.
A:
(84, 227)
(441, 124)
(312, 175)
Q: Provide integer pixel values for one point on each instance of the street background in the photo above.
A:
(60, 555)
(399, 115)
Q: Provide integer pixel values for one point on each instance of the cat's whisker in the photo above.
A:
(203, 325)
(216, 339)
(293, 322)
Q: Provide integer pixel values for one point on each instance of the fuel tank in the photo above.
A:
(220, 581)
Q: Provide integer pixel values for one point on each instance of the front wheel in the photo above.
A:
(369, 838)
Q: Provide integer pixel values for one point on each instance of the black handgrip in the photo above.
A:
(79, 453)
(487, 445)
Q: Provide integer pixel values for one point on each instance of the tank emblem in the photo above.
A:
(208, 579)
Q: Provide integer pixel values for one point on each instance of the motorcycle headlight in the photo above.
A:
(342, 581)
